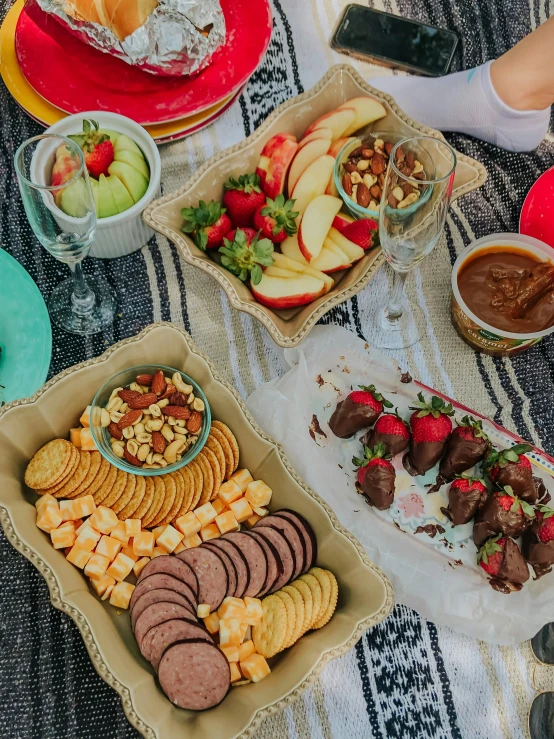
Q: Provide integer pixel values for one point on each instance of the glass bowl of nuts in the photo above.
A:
(150, 419)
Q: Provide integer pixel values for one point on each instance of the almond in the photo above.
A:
(143, 401)
(367, 153)
(350, 167)
(194, 424)
(389, 146)
(167, 393)
(355, 153)
(410, 159)
(130, 458)
(144, 380)
(347, 184)
(158, 442)
(127, 396)
(158, 383)
(178, 399)
(375, 192)
(181, 414)
(363, 197)
(378, 164)
(399, 156)
(129, 419)
(393, 202)
(115, 431)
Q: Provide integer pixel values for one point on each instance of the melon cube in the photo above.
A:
(64, 536)
(108, 547)
(87, 442)
(120, 567)
(121, 594)
(253, 612)
(120, 533)
(129, 552)
(192, 541)
(203, 610)
(84, 506)
(143, 544)
(241, 509)
(255, 668)
(101, 584)
(75, 437)
(219, 506)
(46, 499)
(205, 514)
(78, 556)
(96, 566)
(229, 632)
(188, 524)
(210, 532)
(229, 491)
(211, 622)
(232, 653)
(226, 522)
(232, 608)
(85, 418)
(132, 526)
(87, 538)
(104, 520)
(140, 564)
(235, 672)
(159, 552)
(242, 478)
(246, 649)
(49, 518)
(170, 538)
(258, 493)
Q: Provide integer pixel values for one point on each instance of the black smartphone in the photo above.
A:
(391, 41)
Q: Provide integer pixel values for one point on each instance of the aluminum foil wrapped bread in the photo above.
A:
(167, 37)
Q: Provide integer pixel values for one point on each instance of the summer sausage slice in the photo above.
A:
(292, 534)
(229, 566)
(160, 595)
(256, 560)
(160, 637)
(274, 564)
(173, 566)
(154, 615)
(211, 573)
(306, 531)
(286, 553)
(194, 674)
(238, 559)
(161, 580)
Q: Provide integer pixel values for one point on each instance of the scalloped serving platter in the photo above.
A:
(342, 82)
(365, 594)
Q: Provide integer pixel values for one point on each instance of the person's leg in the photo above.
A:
(505, 102)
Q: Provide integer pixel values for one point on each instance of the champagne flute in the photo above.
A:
(419, 179)
(60, 207)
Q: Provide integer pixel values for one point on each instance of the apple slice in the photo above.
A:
(274, 271)
(295, 265)
(334, 150)
(331, 258)
(319, 133)
(352, 250)
(277, 146)
(304, 157)
(341, 221)
(287, 292)
(339, 121)
(366, 109)
(312, 182)
(315, 224)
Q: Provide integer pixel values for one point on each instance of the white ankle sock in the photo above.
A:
(467, 102)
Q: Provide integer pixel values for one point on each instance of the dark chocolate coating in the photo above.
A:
(393, 444)
(539, 555)
(349, 417)
(492, 519)
(461, 455)
(463, 506)
(423, 456)
(520, 480)
(378, 486)
(513, 571)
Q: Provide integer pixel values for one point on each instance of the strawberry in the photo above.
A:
(376, 477)
(491, 554)
(545, 532)
(243, 197)
(245, 254)
(511, 467)
(364, 233)
(502, 513)
(465, 497)
(538, 542)
(358, 411)
(208, 224)
(501, 558)
(466, 485)
(389, 430)
(275, 219)
(97, 149)
(431, 427)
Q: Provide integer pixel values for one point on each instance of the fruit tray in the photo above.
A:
(365, 594)
(290, 325)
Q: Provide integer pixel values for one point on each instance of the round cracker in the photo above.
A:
(178, 502)
(67, 475)
(299, 608)
(117, 490)
(322, 576)
(77, 477)
(106, 486)
(216, 471)
(83, 488)
(208, 478)
(227, 451)
(47, 466)
(100, 476)
(214, 446)
(327, 615)
(136, 500)
(229, 435)
(167, 503)
(291, 615)
(126, 495)
(269, 635)
(197, 483)
(157, 501)
(188, 487)
(147, 499)
(306, 593)
(317, 596)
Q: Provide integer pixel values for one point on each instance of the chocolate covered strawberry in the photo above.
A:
(245, 254)
(467, 445)
(358, 411)
(276, 219)
(207, 224)
(376, 477)
(389, 430)
(501, 559)
(538, 542)
(465, 497)
(431, 427)
(503, 513)
(511, 467)
(243, 197)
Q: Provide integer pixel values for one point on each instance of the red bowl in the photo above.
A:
(537, 214)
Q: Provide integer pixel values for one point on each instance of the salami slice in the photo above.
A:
(238, 559)
(286, 553)
(229, 566)
(274, 564)
(307, 533)
(160, 637)
(160, 595)
(211, 573)
(194, 674)
(156, 614)
(170, 565)
(161, 580)
(256, 560)
(292, 534)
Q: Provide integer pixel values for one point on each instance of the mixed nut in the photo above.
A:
(153, 421)
(364, 173)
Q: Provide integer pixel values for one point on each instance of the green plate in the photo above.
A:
(25, 332)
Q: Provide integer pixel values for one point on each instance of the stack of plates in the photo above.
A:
(50, 73)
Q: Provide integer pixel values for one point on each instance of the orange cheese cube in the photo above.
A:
(242, 478)
(140, 564)
(79, 557)
(96, 566)
(260, 511)
(255, 668)
(226, 522)
(232, 608)
(85, 418)
(205, 514)
(120, 567)
(81, 526)
(159, 552)
(108, 547)
(254, 612)
(188, 524)
(104, 520)
(132, 526)
(219, 506)
(75, 437)
(258, 493)
(49, 518)
(243, 631)
(229, 632)
(84, 506)
(157, 531)
(235, 672)
(203, 610)
(67, 509)
(179, 548)
(232, 653)
(241, 509)
(108, 592)
(209, 532)
(170, 538)
(246, 649)
(87, 538)
(46, 499)
(252, 520)
(211, 622)
(120, 533)
(192, 541)
(64, 536)
(129, 552)
(121, 594)
(101, 584)
(87, 442)
(229, 491)
(143, 544)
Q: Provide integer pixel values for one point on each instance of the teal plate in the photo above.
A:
(25, 332)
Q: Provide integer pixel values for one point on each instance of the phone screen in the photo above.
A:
(407, 44)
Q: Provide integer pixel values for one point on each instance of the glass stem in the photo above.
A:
(393, 311)
(82, 298)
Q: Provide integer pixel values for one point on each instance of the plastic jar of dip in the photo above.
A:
(483, 336)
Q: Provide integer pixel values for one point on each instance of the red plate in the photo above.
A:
(74, 77)
(537, 214)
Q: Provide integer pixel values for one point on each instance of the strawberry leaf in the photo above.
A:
(246, 182)
(527, 509)
(245, 259)
(201, 239)
(256, 274)
(546, 511)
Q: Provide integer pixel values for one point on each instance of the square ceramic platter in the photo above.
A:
(365, 594)
(342, 82)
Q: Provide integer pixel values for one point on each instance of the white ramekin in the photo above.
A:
(126, 232)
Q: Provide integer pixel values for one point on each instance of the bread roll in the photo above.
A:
(121, 17)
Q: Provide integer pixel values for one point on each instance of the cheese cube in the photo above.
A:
(121, 595)
(81, 526)
(132, 526)
(87, 442)
(157, 531)
(232, 608)
(108, 592)
(255, 668)
(143, 544)
(97, 566)
(46, 499)
(68, 511)
(120, 533)
(210, 532)
(78, 557)
(188, 524)
(229, 632)
(254, 612)
(203, 610)
(253, 520)
(108, 547)
(229, 492)
(219, 506)
(104, 520)
(140, 564)
(232, 653)
(75, 437)
(85, 418)
(192, 541)
(159, 552)
(64, 536)
(243, 478)
(258, 493)
(87, 538)
(260, 511)
(205, 514)
(246, 649)
(49, 518)
(170, 538)
(120, 567)
(226, 522)
(101, 584)
(179, 548)
(129, 552)
(211, 622)
(235, 672)
(84, 506)
(243, 631)
(241, 509)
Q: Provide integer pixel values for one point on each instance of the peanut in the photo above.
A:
(155, 410)
(105, 419)
(143, 438)
(143, 452)
(128, 432)
(162, 403)
(198, 405)
(117, 449)
(409, 200)
(155, 424)
(356, 178)
(172, 450)
(363, 164)
(397, 193)
(115, 416)
(132, 447)
(167, 433)
(114, 404)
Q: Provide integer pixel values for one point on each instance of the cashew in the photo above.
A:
(128, 433)
(133, 447)
(114, 393)
(143, 438)
(198, 405)
(163, 403)
(181, 437)
(418, 167)
(143, 452)
(167, 433)
(155, 410)
(172, 450)
(190, 399)
(150, 466)
(104, 418)
(180, 385)
(378, 144)
(409, 200)
(114, 404)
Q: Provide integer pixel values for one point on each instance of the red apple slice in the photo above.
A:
(319, 133)
(339, 121)
(275, 271)
(271, 147)
(367, 110)
(287, 292)
(294, 264)
(352, 250)
(304, 157)
(331, 258)
(341, 221)
(315, 224)
(312, 182)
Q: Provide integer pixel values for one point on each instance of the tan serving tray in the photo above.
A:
(365, 594)
(342, 82)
